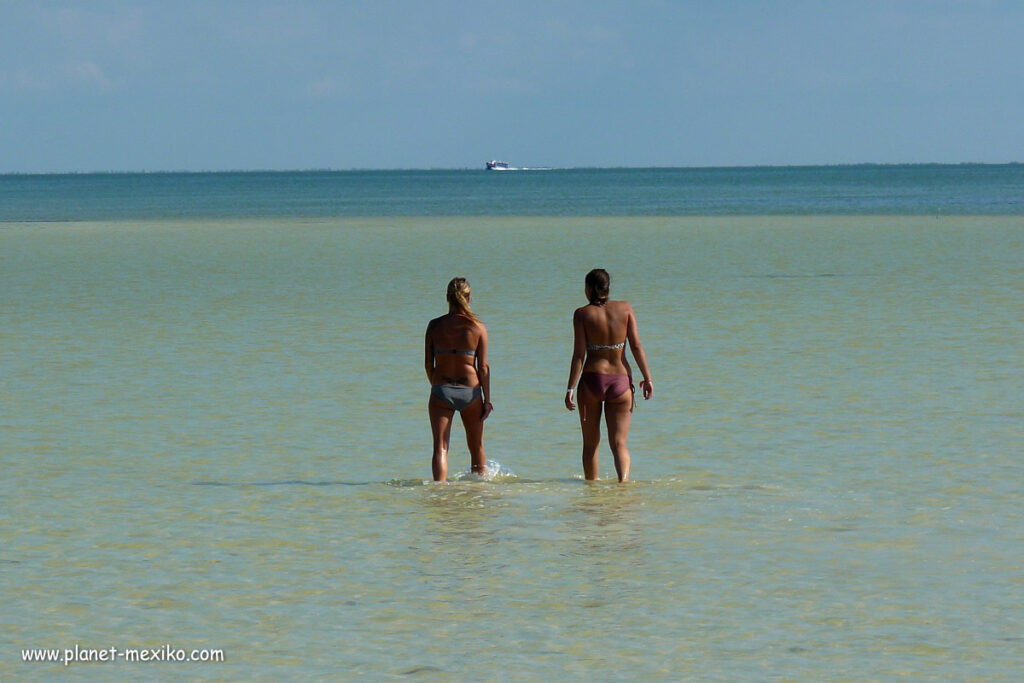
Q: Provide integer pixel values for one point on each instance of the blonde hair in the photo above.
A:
(458, 297)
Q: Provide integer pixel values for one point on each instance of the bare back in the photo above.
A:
(608, 325)
(456, 346)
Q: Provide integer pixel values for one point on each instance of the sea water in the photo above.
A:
(214, 437)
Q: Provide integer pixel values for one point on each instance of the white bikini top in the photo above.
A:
(605, 347)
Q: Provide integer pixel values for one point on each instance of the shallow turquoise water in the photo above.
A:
(214, 436)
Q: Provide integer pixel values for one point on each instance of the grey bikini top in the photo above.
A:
(463, 352)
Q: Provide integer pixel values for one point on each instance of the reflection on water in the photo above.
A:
(459, 528)
(461, 508)
(604, 520)
(605, 541)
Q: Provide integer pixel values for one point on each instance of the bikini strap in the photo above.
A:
(463, 352)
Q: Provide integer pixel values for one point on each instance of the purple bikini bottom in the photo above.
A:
(606, 387)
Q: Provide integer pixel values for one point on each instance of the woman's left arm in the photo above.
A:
(483, 371)
(632, 334)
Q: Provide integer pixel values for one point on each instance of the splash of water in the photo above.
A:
(494, 471)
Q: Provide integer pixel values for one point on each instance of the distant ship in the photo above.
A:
(497, 165)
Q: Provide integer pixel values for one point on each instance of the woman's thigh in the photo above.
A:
(471, 421)
(440, 419)
(618, 415)
(589, 409)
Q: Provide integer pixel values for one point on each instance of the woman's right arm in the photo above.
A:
(428, 354)
(579, 353)
(647, 385)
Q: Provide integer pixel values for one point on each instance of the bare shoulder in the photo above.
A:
(434, 323)
(583, 313)
(623, 307)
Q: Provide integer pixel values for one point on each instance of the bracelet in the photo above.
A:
(569, 390)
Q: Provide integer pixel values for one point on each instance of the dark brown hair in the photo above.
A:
(598, 282)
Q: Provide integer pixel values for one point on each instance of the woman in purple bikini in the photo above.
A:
(601, 330)
(455, 358)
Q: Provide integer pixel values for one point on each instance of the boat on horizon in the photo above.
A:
(495, 165)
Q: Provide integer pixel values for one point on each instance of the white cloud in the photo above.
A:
(71, 75)
(114, 28)
(88, 74)
(321, 88)
(21, 79)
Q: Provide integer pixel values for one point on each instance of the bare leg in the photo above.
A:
(441, 428)
(475, 435)
(590, 423)
(618, 414)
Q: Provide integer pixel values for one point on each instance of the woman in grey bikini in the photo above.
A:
(455, 358)
(601, 330)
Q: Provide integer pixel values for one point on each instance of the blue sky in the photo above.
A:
(214, 85)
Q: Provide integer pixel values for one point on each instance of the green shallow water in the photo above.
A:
(214, 435)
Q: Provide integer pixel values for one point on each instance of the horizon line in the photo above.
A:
(521, 168)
